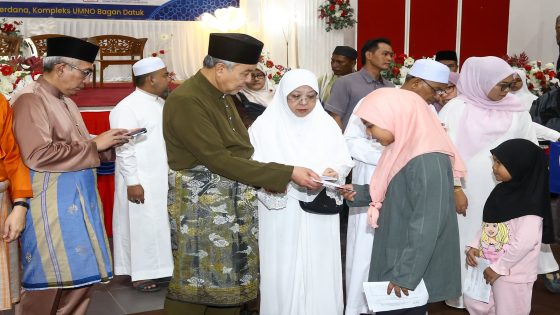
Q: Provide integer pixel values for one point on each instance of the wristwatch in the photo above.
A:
(22, 203)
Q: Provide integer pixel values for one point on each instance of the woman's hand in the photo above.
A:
(347, 192)
(472, 254)
(461, 201)
(330, 172)
(14, 224)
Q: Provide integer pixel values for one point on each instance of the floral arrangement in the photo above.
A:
(274, 72)
(10, 29)
(541, 78)
(338, 14)
(15, 73)
(398, 69)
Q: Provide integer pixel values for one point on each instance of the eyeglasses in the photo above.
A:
(257, 76)
(438, 92)
(506, 86)
(85, 73)
(300, 98)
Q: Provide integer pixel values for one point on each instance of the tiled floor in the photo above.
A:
(119, 298)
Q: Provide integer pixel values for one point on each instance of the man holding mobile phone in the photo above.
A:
(64, 245)
(141, 236)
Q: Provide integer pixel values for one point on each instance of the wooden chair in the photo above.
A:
(118, 46)
(9, 45)
(40, 42)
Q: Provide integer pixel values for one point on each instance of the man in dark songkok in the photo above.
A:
(212, 202)
(448, 58)
(343, 62)
(64, 247)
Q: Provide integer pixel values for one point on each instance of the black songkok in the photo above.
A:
(446, 55)
(235, 47)
(71, 47)
(346, 51)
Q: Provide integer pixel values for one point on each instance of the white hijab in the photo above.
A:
(264, 95)
(524, 95)
(314, 141)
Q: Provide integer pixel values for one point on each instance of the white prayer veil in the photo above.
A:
(314, 141)
(524, 94)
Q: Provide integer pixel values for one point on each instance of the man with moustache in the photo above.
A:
(376, 55)
(64, 247)
(141, 236)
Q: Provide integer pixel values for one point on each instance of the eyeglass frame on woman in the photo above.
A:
(439, 92)
(259, 76)
(506, 85)
(300, 98)
(86, 73)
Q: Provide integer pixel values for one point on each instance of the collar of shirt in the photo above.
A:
(370, 79)
(207, 87)
(151, 96)
(51, 89)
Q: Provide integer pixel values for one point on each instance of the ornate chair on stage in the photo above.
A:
(9, 45)
(40, 42)
(118, 46)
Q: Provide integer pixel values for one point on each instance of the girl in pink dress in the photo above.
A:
(516, 218)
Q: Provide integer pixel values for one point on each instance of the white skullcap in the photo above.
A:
(430, 70)
(147, 65)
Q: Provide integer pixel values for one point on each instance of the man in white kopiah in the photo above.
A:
(141, 236)
(428, 79)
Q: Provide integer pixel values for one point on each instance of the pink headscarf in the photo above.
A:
(416, 130)
(453, 77)
(483, 120)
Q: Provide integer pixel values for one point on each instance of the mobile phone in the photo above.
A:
(137, 132)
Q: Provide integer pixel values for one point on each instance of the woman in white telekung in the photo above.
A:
(300, 261)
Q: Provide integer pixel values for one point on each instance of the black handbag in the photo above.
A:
(253, 110)
(322, 204)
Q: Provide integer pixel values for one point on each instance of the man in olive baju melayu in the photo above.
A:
(212, 202)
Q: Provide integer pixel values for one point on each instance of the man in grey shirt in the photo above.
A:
(376, 55)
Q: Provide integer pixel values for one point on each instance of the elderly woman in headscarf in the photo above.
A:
(300, 260)
(255, 97)
(484, 115)
(521, 90)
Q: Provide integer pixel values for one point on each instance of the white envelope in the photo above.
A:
(475, 286)
(379, 301)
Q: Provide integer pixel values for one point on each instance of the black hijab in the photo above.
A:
(527, 192)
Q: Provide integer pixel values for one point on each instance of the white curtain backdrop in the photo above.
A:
(272, 21)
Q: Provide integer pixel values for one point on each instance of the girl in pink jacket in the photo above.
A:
(516, 218)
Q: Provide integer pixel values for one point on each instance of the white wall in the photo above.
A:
(531, 28)
(296, 21)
